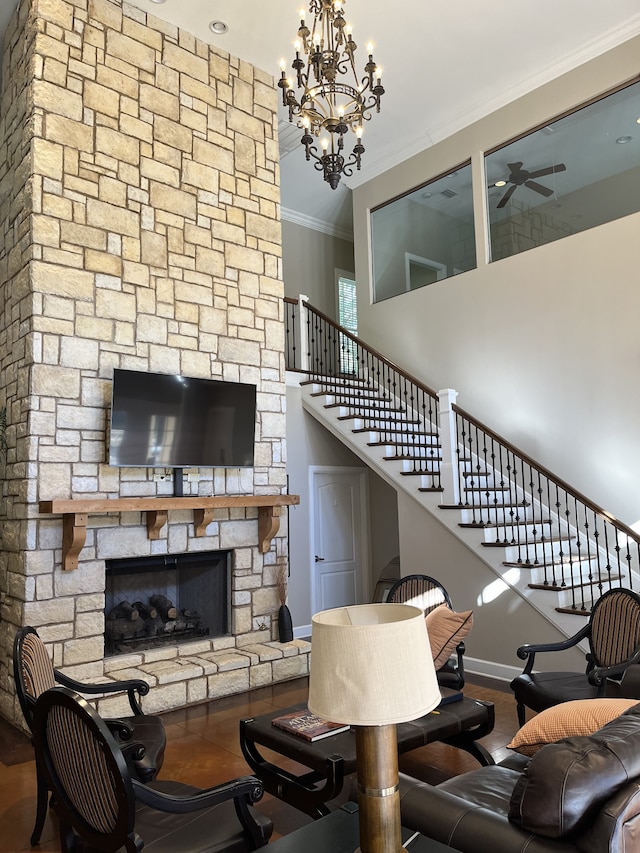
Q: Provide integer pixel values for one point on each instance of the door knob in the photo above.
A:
(319, 559)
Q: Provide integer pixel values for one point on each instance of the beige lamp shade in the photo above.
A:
(371, 665)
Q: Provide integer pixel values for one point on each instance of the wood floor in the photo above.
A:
(203, 749)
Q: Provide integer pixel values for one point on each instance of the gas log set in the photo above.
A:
(138, 625)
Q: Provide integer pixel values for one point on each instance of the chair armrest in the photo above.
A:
(131, 687)
(599, 673)
(121, 729)
(529, 650)
(243, 792)
(630, 684)
(248, 788)
(460, 823)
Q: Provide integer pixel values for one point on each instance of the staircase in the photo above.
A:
(552, 545)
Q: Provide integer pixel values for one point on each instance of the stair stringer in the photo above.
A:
(543, 601)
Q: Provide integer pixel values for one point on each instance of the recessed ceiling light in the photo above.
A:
(622, 140)
(218, 27)
(426, 195)
(158, 1)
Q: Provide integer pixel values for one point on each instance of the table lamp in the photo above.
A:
(371, 666)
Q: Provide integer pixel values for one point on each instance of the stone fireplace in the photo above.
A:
(169, 599)
(139, 228)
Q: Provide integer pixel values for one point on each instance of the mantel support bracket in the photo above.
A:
(156, 520)
(268, 526)
(74, 534)
(202, 518)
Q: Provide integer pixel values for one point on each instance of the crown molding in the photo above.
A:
(317, 224)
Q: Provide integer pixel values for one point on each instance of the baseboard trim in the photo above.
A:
(491, 669)
(302, 632)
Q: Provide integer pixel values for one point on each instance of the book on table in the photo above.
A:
(309, 726)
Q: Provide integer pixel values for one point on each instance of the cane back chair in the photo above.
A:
(613, 635)
(34, 673)
(100, 807)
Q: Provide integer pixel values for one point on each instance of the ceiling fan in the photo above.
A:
(519, 177)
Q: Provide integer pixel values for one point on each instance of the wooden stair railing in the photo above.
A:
(567, 542)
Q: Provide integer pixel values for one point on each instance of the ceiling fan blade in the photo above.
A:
(505, 198)
(550, 170)
(538, 188)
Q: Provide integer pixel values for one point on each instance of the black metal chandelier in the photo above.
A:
(329, 105)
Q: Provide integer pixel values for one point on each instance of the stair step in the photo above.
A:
(553, 564)
(382, 422)
(401, 434)
(489, 525)
(378, 412)
(364, 403)
(574, 611)
(479, 508)
(405, 448)
(364, 394)
(562, 587)
(408, 457)
(431, 489)
(487, 489)
(551, 540)
(409, 438)
(339, 382)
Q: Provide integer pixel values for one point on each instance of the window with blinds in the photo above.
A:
(348, 319)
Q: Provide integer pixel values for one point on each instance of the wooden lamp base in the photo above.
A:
(378, 789)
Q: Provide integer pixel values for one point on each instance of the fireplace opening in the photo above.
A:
(166, 599)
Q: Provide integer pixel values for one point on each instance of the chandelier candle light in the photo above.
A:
(330, 106)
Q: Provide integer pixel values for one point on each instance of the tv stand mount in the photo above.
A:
(75, 514)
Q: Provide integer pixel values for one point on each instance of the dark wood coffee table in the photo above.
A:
(460, 724)
(339, 833)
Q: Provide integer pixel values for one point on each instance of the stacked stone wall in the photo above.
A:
(139, 218)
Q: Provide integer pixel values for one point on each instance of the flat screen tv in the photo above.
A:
(164, 421)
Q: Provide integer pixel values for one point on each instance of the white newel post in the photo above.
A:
(449, 443)
(304, 337)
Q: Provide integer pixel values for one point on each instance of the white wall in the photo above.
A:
(543, 346)
(309, 443)
(309, 261)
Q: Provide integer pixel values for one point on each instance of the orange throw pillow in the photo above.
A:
(578, 717)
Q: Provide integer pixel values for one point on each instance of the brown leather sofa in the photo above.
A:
(578, 794)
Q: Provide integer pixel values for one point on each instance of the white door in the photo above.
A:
(340, 537)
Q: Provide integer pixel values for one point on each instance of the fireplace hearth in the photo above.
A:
(167, 599)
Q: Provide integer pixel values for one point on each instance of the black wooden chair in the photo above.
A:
(613, 634)
(100, 807)
(34, 673)
(428, 593)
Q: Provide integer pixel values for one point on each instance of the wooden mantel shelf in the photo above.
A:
(75, 514)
